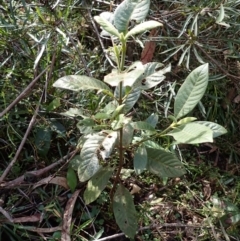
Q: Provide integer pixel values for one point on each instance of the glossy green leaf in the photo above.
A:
(142, 27)
(81, 82)
(163, 163)
(89, 163)
(125, 212)
(217, 129)
(192, 133)
(191, 91)
(96, 184)
(107, 26)
(140, 159)
(71, 179)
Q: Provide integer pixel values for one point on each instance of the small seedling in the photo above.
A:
(111, 132)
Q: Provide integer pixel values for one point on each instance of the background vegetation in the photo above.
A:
(41, 41)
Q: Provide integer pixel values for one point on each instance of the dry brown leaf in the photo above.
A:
(61, 181)
(135, 188)
(67, 217)
(149, 48)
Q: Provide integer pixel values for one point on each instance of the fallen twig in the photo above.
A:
(16, 182)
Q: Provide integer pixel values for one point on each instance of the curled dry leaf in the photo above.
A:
(67, 217)
(61, 181)
(135, 188)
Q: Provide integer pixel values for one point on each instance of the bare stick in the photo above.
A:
(23, 94)
(7, 170)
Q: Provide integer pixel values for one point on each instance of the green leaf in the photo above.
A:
(118, 123)
(186, 120)
(142, 27)
(129, 100)
(75, 162)
(54, 104)
(221, 14)
(122, 14)
(89, 163)
(110, 107)
(81, 82)
(102, 116)
(152, 120)
(71, 179)
(152, 144)
(107, 26)
(57, 127)
(43, 140)
(73, 112)
(117, 111)
(142, 125)
(127, 135)
(192, 133)
(108, 144)
(128, 77)
(140, 159)
(152, 76)
(96, 184)
(125, 212)
(191, 91)
(163, 163)
(217, 129)
(141, 10)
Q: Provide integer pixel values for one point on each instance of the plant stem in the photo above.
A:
(121, 149)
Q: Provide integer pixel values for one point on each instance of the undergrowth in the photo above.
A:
(61, 38)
